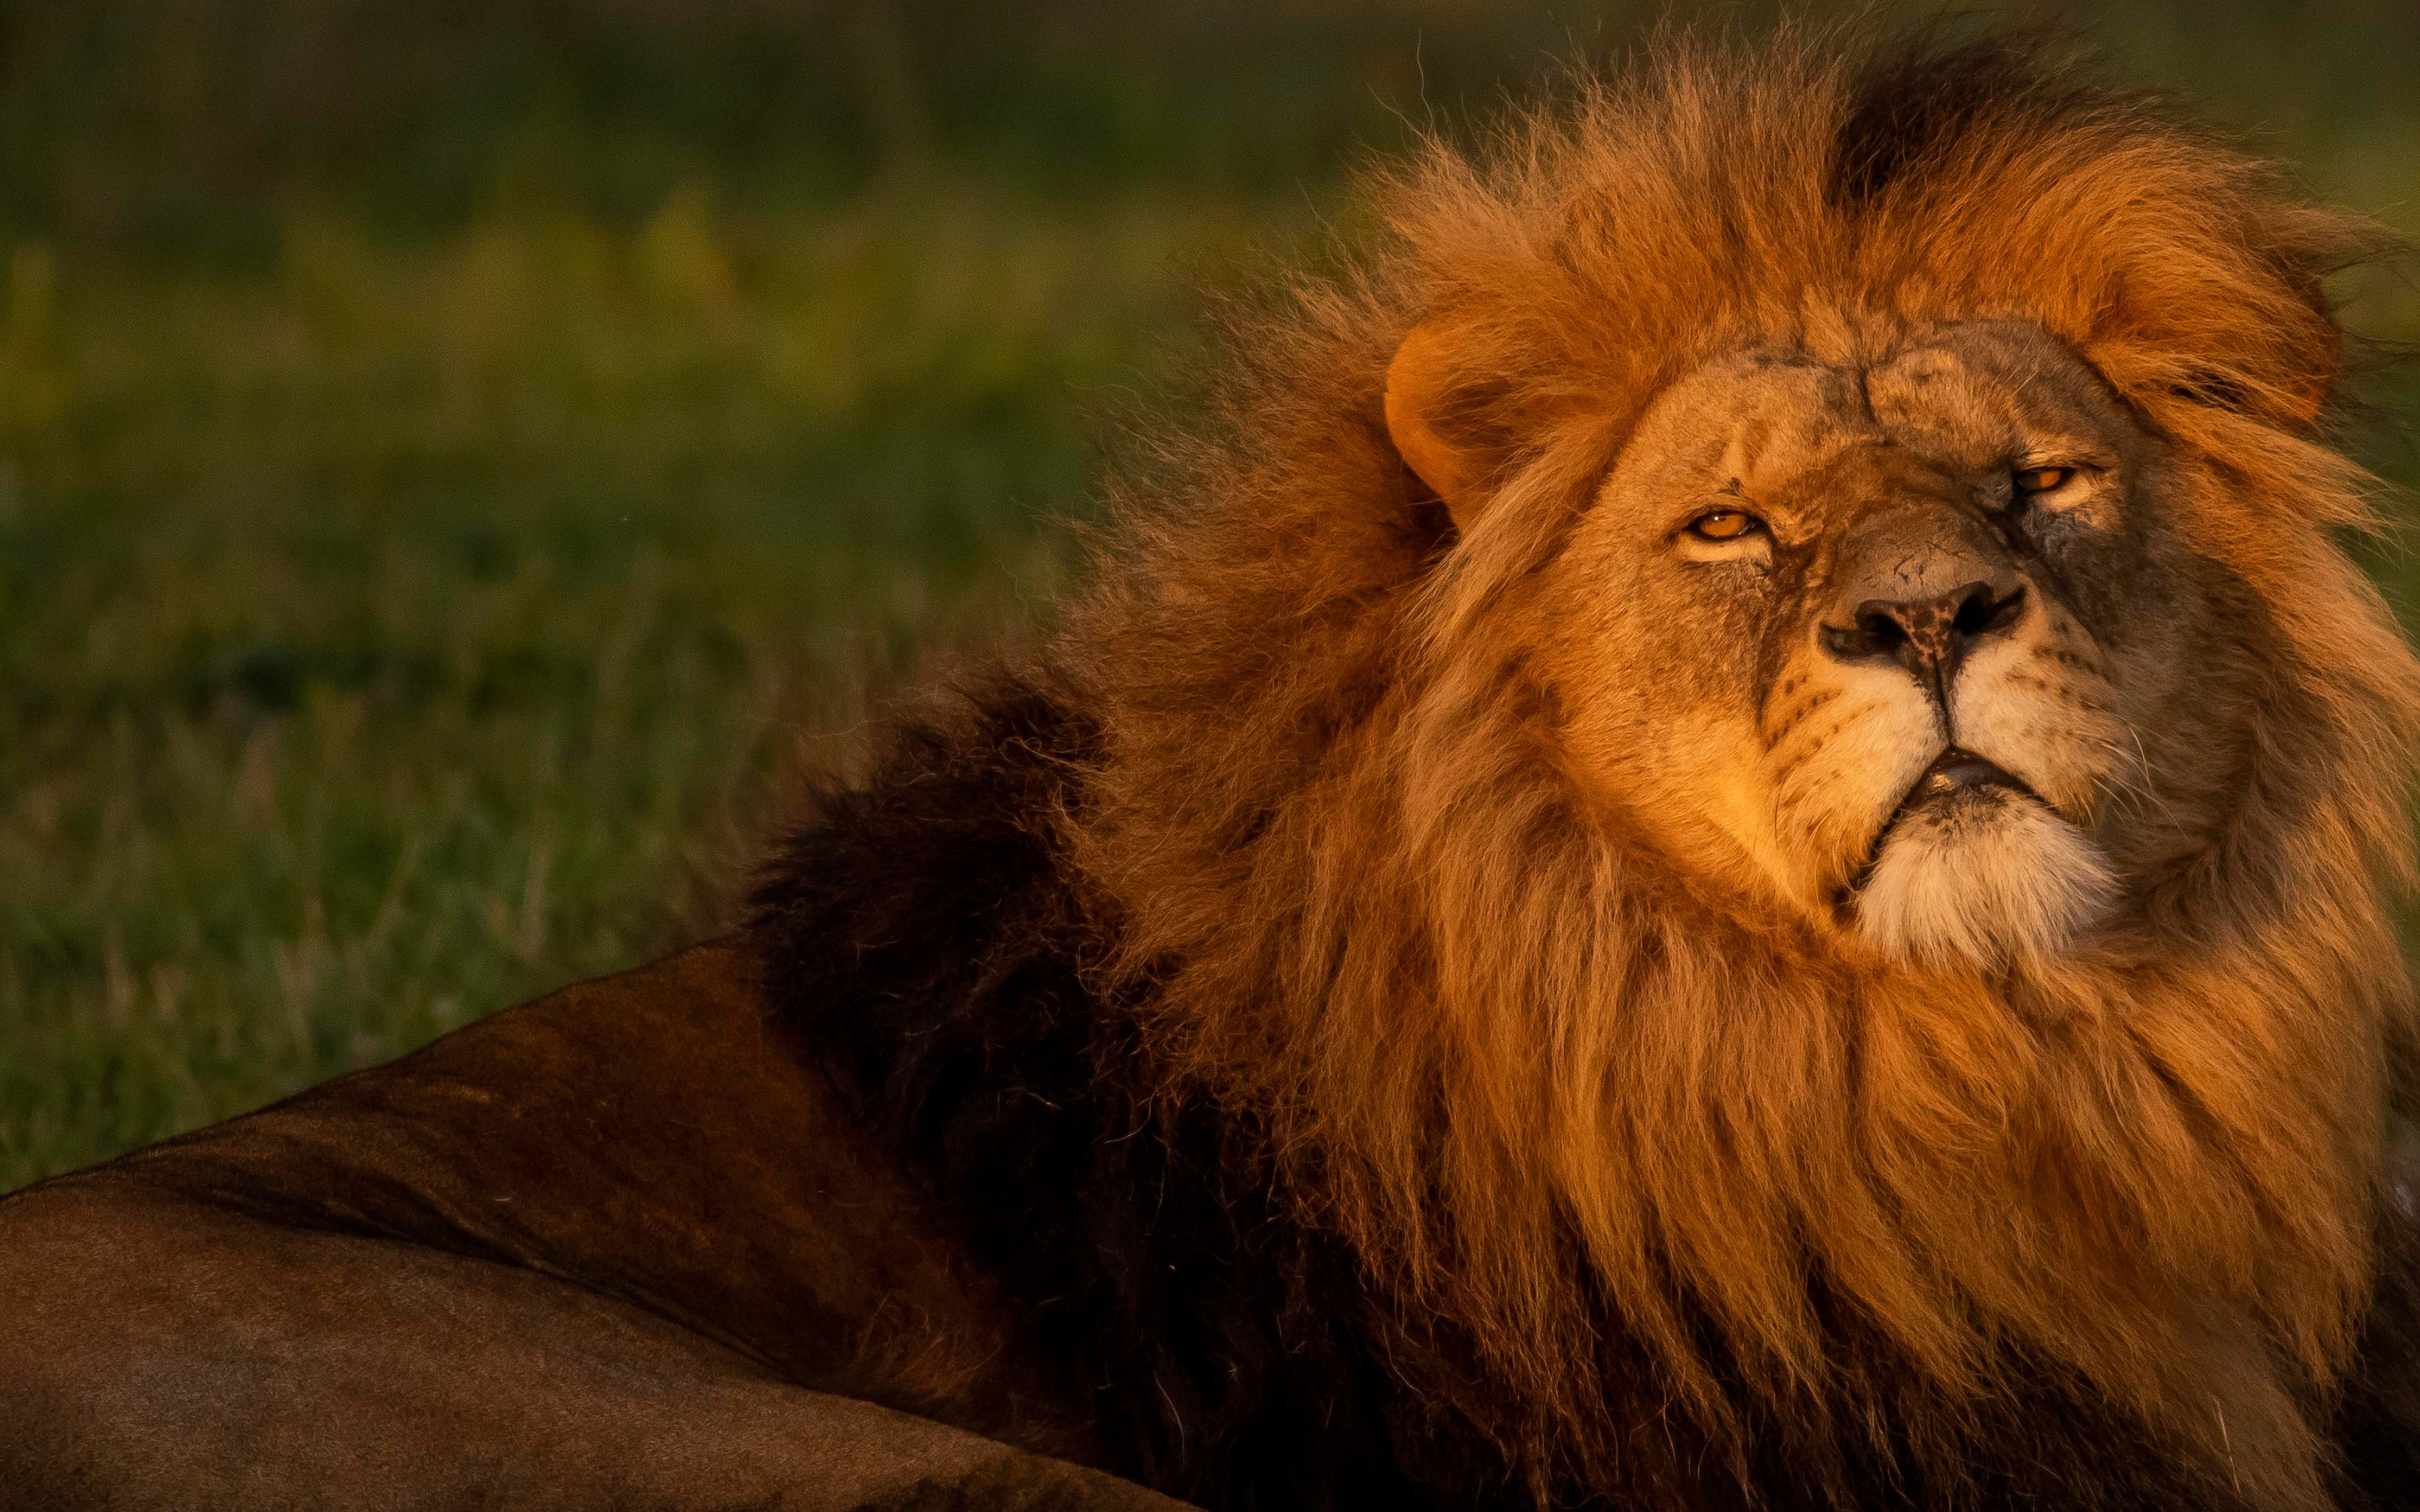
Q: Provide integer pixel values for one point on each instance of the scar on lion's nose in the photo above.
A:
(1928, 637)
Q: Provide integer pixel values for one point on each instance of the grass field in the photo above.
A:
(426, 537)
(412, 629)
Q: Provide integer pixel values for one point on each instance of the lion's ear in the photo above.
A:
(2317, 353)
(1417, 403)
(2272, 358)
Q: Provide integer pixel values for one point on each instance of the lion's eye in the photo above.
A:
(2041, 480)
(1724, 525)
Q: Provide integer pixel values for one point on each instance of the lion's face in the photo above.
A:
(1885, 637)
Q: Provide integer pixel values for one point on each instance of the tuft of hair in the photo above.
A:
(1587, 1123)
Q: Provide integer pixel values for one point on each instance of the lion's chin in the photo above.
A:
(1990, 877)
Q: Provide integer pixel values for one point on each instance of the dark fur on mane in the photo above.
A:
(920, 929)
(1915, 107)
(922, 933)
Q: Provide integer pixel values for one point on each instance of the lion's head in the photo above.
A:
(1753, 742)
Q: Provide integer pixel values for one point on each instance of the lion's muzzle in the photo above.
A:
(1924, 586)
(1968, 857)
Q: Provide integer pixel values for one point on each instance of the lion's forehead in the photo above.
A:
(1757, 422)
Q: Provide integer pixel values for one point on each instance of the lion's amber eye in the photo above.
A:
(2041, 480)
(1724, 525)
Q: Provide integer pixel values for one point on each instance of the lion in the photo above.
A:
(1726, 837)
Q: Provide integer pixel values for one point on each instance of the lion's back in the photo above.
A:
(656, 1138)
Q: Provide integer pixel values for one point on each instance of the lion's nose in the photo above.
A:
(1928, 637)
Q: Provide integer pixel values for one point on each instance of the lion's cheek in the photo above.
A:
(1837, 778)
(2048, 720)
(1737, 799)
(1690, 782)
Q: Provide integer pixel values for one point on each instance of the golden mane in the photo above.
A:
(1552, 1092)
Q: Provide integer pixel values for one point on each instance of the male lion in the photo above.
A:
(1726, 841)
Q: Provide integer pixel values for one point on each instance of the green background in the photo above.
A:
(456, 458)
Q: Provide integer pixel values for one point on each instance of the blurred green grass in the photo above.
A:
(396, 632)
(452, 455)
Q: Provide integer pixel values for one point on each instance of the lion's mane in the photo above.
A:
(1573, 1115)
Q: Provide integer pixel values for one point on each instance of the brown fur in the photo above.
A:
(1524, 1060)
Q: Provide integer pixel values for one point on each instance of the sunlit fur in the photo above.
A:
(1548, 1077)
